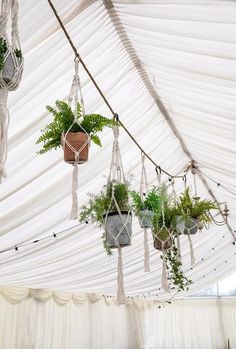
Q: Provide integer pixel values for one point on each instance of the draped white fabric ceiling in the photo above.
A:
(188, 49)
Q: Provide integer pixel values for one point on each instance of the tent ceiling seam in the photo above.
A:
(121, 32)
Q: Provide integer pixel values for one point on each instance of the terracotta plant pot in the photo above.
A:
(145, 218)
(162, 238)
(162, 246)
(77, 141)
(116, 224)
(188, 226)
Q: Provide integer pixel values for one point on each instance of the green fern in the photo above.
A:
(199, 209)
(63, 118)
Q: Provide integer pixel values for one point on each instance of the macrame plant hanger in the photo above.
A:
(174, 196)
(73, 99)
(164, 277)
(196, 197)
(143, 190)
(10, 75)
(116, 174)
(163, 241)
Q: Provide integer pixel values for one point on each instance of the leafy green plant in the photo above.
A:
(165, 213)
(150, 201)
(188, 207)
(102, 202)
(3, 50)
(164, 225)
(64, 118)
(176, 276)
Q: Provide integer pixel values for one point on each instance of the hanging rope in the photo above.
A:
(164, 276)
(191, 250)
(121, 298)
(73, 97)
(118, 224)
(10, 75)
(143, 190)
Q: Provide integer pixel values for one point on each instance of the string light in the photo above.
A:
(217, 183)
(54, 235)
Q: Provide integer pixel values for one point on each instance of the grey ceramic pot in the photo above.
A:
(145, 218)
(119, 225)
(188, 226)
(8, 71)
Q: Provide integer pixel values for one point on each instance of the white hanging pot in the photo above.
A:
(118, 229)
(187, 226)
(145, 218)
(11, 64)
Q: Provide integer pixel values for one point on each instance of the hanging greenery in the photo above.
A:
(64, 118)
(150, 201)
(176, 275)
(188, 207)
(102, 202)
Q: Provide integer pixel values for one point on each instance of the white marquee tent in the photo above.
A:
(63, 288)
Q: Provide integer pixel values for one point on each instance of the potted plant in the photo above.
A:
(111, 211)
(63, 121)
(144, 208)
(163, 221)
(193, 213)
(7, 61)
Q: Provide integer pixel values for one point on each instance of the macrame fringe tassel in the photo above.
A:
(146, 252)
(164, 280)
(121, 299)
(179, 249)
(74, 209)
(191, 250)
(4, 122)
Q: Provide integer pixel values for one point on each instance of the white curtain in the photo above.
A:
(47, 320)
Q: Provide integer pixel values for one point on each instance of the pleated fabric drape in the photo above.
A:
(43, 319)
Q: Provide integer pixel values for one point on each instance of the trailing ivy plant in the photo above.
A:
(64, 118)
(188, 207)
(3, 50)
(176, 275)
(102, 202)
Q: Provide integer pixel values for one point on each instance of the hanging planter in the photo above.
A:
(77, 140)
(120, 224)
(162, 240)
(73, 130)
(145, 206)
(11, 68)
(117, 215)
(186, 226)
(192, 213)
(145, 218)
(162, 224)
(10, 60)
(111, 211)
